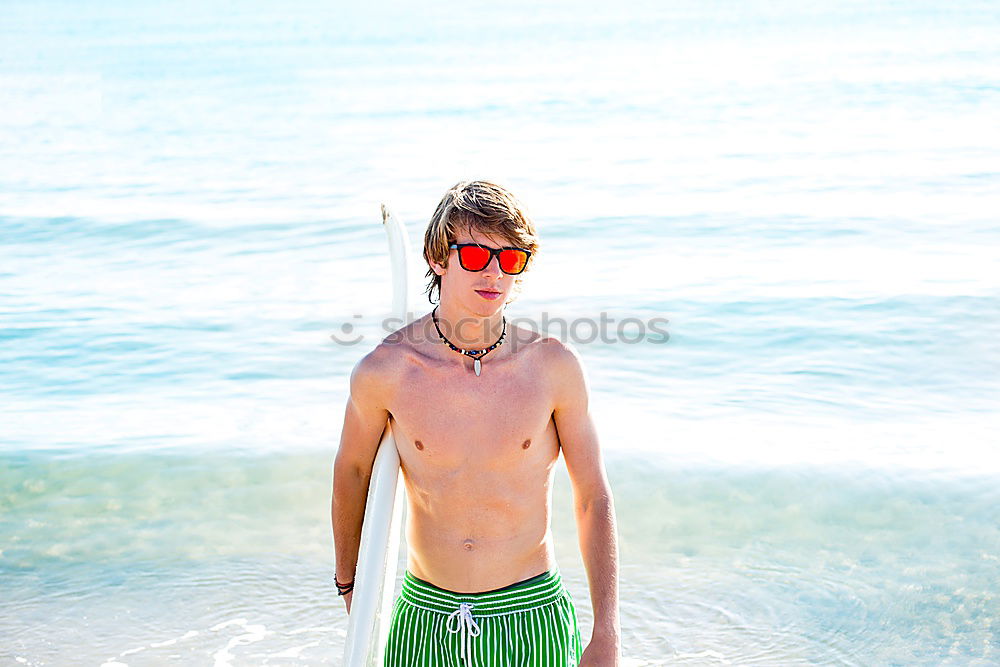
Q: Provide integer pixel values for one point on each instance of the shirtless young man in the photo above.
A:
(477, 454)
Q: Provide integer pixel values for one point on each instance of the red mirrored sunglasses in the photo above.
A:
(475, 257)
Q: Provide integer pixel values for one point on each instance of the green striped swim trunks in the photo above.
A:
(528, 624)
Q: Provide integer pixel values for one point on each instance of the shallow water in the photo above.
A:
(120, 555)
(804, 466)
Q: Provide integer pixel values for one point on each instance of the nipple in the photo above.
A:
(526, 444)
(420, 445)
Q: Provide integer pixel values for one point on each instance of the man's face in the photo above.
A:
(483, 292)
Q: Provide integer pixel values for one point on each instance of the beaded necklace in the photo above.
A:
(475, 354)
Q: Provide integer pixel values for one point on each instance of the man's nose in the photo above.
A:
(494, 262)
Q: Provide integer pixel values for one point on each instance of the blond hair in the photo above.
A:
(482, 206)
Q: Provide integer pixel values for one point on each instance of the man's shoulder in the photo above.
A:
(547, 351)
(561, 363)
(382, 362)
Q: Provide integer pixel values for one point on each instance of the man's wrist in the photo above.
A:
(343, 587)
(607, 633)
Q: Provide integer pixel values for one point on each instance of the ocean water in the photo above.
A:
(803, 195)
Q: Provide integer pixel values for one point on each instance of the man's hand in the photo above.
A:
(601, 652)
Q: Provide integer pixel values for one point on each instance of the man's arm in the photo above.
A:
(364, 421)
(594, 504)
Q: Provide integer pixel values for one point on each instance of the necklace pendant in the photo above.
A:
(478, 367)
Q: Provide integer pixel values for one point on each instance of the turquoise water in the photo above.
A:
(805, 469)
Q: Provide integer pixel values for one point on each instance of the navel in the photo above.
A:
(526, 444)
(419, 445)
(468, 544)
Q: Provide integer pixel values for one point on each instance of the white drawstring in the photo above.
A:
(467, 626)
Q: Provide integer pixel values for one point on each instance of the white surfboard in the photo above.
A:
(371, 602)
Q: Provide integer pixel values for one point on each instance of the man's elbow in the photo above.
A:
(349, 471)
(599, 500)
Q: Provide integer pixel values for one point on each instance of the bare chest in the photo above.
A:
(446, 420)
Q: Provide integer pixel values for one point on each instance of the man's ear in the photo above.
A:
(437, 268)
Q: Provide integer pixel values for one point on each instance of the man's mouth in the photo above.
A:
(488, 294)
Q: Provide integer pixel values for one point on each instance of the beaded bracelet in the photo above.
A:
(343, 589)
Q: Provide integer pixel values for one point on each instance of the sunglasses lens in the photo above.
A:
(513, 261)
(473, 258)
